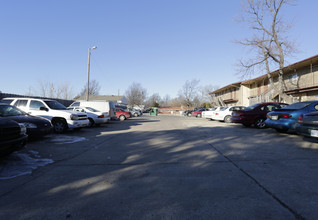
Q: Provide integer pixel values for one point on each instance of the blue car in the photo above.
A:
(286, 119)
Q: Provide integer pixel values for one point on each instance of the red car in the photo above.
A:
(255, 114)
(121, 114)
(198, 113)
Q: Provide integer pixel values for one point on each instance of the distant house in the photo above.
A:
(300, 79)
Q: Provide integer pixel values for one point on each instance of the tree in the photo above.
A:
(270, 40)
(189, 92)
(166, 101)
(206, 97)
(52, 90)
(136, 94)
(94, 89)
(154, 100)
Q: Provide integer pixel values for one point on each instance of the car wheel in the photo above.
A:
(189, 114)
(59, 125)
(135, 114)
(91, 122)
(122, 118)
(199, 115)
(260, 123)
(281, 130)
(227, 119)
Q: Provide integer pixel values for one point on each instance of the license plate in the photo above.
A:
(274, 117)
(314, 133)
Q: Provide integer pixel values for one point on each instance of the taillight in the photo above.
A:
(285, 116)
(300, 118)
(109, 112)
(216, 113)
(267, 116)
(100, 116)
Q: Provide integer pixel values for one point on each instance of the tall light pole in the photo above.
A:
(88, 68)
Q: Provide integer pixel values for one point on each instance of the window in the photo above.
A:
(36, 105)
(76, 104)
(8, 101)
(21, 103)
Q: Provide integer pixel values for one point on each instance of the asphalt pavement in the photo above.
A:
(167, 167)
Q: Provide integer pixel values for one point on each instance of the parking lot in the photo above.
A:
(163, 167)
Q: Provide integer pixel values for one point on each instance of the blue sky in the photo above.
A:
(157, 43)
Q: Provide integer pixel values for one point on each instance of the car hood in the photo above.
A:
(28, 118)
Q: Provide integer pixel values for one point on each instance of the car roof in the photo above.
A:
(26, 98)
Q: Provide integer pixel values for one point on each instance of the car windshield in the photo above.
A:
(9, 110)
(298, 105)
(249, 108)
(91, 109)
(55, 105)
(224, 108)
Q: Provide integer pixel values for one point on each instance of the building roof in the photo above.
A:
(289, 67)
(233, 85)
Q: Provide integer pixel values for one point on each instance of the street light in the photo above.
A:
(88, 67)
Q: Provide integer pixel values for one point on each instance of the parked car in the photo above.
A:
(134, 112)
(255, 114)
(286, 118)
(187, 112)
(308, 124)
(35, 126)
(61, 118)
(225, 113)
(121, 114)
(198, 112)
(95, 117)
(100, 105)
(209, 113)
(12, 136)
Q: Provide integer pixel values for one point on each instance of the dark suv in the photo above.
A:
(12, 136)
(255, 114)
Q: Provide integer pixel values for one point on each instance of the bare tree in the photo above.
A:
(154, 100)
(51, 90)
(189, 92)
(206, 90)
(166, 101)
(94, 88)
(270, 40)
(136, 94)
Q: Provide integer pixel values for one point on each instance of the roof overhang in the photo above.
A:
(302, 90)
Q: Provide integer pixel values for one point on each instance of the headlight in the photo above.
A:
(23, 128)
(74, 117)
(29, 125)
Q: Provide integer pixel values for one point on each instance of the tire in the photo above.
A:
(199, 115)
(122, 118)
(60, 126)
(135, 114)
(189, 114)
(227, 119)
(91, 122)
(259, 123)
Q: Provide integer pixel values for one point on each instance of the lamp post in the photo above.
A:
(88, 68)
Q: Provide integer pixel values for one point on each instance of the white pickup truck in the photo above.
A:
(61, 118)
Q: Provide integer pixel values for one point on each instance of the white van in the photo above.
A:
(100, 105)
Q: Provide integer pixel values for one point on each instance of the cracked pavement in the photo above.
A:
(168, 167)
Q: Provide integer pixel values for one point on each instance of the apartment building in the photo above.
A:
(300, 81)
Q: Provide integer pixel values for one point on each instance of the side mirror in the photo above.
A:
(44, 109)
